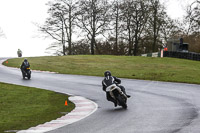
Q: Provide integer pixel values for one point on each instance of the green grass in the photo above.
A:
(24, 107)
(133, 67)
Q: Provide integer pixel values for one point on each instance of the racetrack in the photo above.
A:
(155, 107)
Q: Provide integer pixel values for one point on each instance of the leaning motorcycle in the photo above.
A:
(26, 73)
(118, 95)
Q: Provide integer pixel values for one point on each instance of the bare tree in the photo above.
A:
(116, 23)
(127, 16)
(140, 16)
(157, 19)
(194, 42)
(70, 18)
(192, 26)
(170, 29)
(60, 23)
(193, 17)
(54, 25)
(93, 19)
(136, 14)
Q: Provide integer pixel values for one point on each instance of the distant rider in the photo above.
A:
(19, 53)
(109, 80)
(25, 64)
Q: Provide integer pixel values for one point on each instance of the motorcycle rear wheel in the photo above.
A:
(29, 76)
(122, 102)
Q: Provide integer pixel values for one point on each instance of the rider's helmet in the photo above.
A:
(107, 73)
(25, 60)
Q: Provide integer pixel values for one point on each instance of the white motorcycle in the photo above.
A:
(118, 95)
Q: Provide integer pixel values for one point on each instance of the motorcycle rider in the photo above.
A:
(25, 64)
(109, 80)
(19, 53)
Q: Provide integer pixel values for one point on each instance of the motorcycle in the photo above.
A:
(118, 95)
(19, 54)
(26, 73)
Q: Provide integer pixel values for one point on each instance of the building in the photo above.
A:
(177, 45)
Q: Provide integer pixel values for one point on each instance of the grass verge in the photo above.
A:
(23, 107)
(133, 67)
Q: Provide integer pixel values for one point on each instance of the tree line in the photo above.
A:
(118, 27)
(191, 33)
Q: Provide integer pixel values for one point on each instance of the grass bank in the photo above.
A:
(159, 69)
(23, 107)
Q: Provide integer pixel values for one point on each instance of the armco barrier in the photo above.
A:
(182, 55)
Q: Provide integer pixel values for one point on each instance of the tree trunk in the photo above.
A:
(63, 37)
(155, 28)
(70, 31)
(92, 45)
(136, 36)
(136, 43)
(93, 41)
(129, 41)
(116, 30)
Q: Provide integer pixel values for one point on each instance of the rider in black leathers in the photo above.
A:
(25, 64)
(109, 80)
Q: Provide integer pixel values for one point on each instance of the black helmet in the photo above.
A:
(25, 60)
(107, 73)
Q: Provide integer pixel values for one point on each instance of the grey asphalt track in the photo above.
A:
(155, 107)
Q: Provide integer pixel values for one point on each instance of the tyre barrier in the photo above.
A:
(182, 55)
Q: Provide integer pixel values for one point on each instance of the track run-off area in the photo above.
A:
(154, 107)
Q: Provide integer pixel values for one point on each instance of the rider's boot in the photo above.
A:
(123, 90)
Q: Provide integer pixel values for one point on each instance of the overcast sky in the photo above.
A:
(17, 18)
(16, 21)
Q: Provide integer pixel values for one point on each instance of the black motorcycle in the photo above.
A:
(118, 95)
(26, 73)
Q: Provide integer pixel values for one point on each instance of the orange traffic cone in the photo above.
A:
(66, 103)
